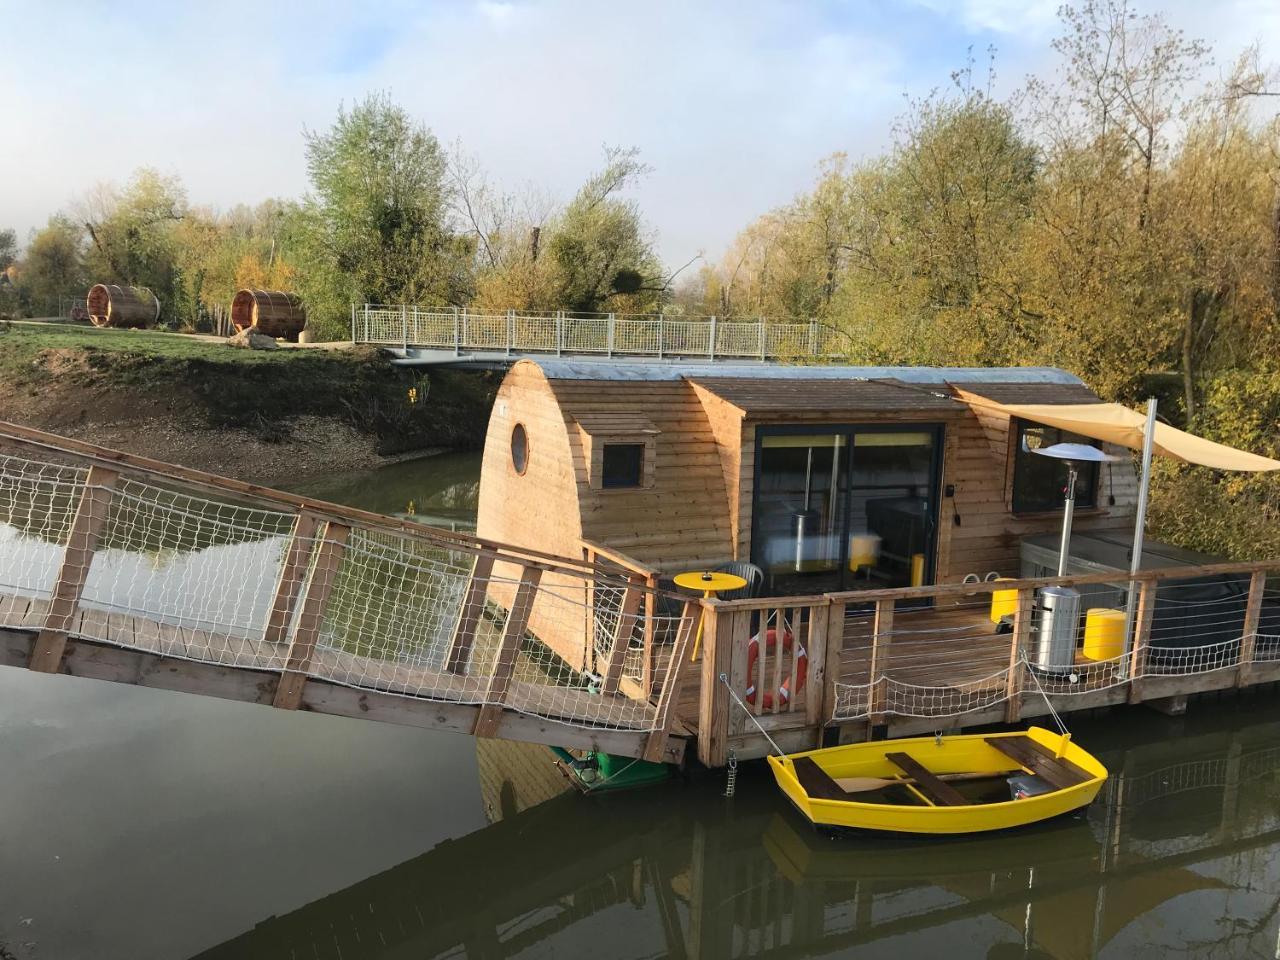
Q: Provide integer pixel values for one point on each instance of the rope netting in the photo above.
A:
(219, 582)
(37, 503)
(947, 661)
(207, 569)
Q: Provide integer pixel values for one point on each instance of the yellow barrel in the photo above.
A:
(917, 569)
(864, 551)
(1004, 603)
(1103, 634)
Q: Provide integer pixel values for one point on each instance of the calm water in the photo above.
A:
(145, 824)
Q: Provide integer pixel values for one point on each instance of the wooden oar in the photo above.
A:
(867, 784)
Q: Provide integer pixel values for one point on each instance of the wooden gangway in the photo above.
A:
(121, 568)
(424, 335)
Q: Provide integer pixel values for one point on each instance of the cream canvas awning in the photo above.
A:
(1116, 423)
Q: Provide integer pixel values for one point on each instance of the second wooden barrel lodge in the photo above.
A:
(274, 313)
(110, 305)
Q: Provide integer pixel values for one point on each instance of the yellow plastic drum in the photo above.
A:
(1103, 634)
(1004, 603)
(864, 551)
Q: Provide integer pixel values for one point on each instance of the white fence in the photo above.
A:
(464, 331)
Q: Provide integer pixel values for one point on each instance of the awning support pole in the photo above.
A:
(1140, 525)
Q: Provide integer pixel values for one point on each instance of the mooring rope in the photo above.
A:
(750, 716)
(1062, 727)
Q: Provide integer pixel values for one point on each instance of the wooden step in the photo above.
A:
(1061, 773)
(942, 794)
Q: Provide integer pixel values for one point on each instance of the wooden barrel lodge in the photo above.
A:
(109, 305)
(274, 312)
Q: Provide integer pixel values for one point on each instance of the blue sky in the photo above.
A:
(732, 103)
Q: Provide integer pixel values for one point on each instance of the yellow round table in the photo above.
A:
(710, 583)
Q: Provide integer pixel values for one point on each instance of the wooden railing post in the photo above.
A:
(627, 612)
(292, 573)
(1019, 644)
(881, 635)
(464, 631)
(333, 543)
(649, 652)
(504, 665)
(82, 541)
(1249, 635)
(657, 742)
(713, 706)
(835, 645)
(816, 647)
(1141, 636)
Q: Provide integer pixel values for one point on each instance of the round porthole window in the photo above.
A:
(519, 449)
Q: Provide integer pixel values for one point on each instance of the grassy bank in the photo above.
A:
(63, 377)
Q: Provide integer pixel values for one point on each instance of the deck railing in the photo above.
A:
(465, 331)
(931, 657)
(125, 552)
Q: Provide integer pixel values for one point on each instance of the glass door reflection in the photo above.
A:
(846, 508)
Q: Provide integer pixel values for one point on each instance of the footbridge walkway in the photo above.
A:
(430, 336)
(120, 568)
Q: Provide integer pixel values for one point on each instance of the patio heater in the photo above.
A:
(1055, 641)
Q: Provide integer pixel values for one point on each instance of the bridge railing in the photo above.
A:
(463, 330)
(127, 552)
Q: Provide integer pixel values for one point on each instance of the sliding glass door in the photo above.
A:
(845, 508)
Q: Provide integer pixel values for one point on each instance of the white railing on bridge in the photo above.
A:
(511, 333)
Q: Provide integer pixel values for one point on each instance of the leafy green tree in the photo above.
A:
(53, 266)
(602, 254)
(132, 235)
(8, 248)
(376, 226)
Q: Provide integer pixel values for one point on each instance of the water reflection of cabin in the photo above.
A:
(827, 478)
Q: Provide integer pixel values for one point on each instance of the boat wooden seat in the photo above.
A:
(817, 784)
(939, 792)
(1059, 772)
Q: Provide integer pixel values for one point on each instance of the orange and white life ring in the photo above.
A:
(771, 646)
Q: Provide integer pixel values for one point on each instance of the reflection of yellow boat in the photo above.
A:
(941, 784)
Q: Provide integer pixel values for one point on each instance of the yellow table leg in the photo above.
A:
(697, 641)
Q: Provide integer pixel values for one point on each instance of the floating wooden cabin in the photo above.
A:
(880, 504)
(274, 312)
(826, 478)
(109, 305)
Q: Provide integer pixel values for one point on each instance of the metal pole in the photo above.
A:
(1139, 529)
(353, 322)
(404, 325)
(1068, 513)
(713, 338)
(457, 337)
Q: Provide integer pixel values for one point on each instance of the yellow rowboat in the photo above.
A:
(943, 785)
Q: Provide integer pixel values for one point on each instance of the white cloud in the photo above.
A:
(733, 102)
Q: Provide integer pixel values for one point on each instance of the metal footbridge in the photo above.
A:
(424, 336)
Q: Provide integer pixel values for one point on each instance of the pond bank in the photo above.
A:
(271, 417)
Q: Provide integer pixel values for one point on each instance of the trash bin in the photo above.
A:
(1054, 647)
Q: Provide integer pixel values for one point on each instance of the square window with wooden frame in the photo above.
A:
(620, 450)
(1040, 483)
